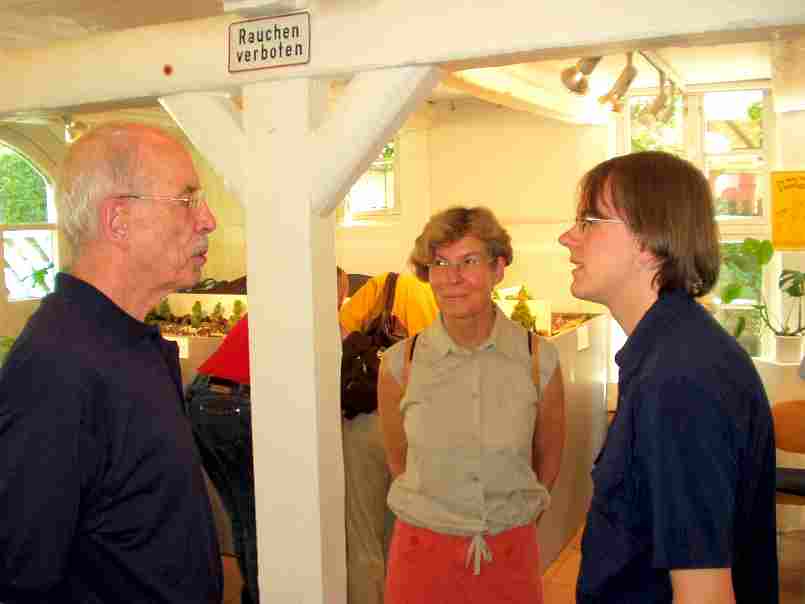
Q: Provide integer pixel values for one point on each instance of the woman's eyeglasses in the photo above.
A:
(468, 264)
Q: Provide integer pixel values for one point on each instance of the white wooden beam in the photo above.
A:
(349, 37)
(295, 350)
(213, 123)
(370, 110)
(548, 105)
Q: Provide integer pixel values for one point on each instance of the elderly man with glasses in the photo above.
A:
(102, 492)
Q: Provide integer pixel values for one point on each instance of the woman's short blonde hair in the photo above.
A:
(453, 224)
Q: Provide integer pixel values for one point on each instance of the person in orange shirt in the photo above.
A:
(414, 304)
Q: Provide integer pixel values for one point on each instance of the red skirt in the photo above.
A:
(425, 566)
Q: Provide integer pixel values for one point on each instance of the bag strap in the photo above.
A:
(409, 357)
(533, 350)
(389, 290)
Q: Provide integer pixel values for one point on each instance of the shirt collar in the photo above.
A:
(499, 339)
(108, 314)
(644, 336)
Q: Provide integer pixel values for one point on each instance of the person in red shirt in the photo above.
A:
(219, 407)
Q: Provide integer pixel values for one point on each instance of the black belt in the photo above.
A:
(224, 386)
(791, 481)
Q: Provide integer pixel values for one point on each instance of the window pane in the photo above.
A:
(373, 193)
(28, 263)
(23, 190)
(734, 160)
(739, 270)
(733, 121)
(660, 132)
(374, 190)
(750, 337)
(738, 184)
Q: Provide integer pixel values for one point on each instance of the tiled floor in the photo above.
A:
(792, 567)
(560, 578)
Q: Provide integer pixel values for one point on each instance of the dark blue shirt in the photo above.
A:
(686, 477)
(102, 498)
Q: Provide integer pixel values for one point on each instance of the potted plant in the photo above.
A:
(744, 265)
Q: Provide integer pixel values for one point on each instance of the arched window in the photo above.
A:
(27, 228)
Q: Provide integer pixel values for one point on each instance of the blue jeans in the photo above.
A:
(221, 420)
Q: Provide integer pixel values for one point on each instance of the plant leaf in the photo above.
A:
(731, 292)
(765, 252)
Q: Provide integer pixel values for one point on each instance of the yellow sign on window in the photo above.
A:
(788, 210)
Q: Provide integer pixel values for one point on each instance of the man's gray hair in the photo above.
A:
(101, 164)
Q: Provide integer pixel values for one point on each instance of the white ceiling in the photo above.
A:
(31, 23)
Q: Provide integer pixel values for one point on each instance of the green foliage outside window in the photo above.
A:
(656, 136)
(23, 198)
(5, 346)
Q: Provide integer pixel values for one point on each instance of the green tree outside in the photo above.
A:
(23, 195)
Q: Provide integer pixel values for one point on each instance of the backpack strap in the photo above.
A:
(389, 291)
(533, 350)
(409, 357)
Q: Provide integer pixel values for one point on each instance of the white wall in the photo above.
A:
(791, 140)
(525, 168)
(522, 166)
(384, 245)
(226, 259)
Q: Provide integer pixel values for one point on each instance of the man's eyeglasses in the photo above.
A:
(468, 264)
(585, 222)
(191, 200)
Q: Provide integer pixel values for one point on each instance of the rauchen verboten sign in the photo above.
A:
(269, 42)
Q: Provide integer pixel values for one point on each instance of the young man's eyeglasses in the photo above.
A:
(191, 200)
(468, 264)
(585, 222)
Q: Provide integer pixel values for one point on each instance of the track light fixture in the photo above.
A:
(667, 112)
(575, 78)
(659, 102)
(650, 113)
(614, 98)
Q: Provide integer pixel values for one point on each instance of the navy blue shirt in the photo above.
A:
(102, 498)
(686, 477)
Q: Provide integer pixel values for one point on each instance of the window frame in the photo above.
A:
(53, 227)
(731, 229)
(345, 217)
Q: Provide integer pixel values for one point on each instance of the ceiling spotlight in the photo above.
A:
(667, 112)
(621, 85)
(73, 130)
(575, 78)
(650, 113)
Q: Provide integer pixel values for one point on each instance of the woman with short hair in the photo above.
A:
(472, 412)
